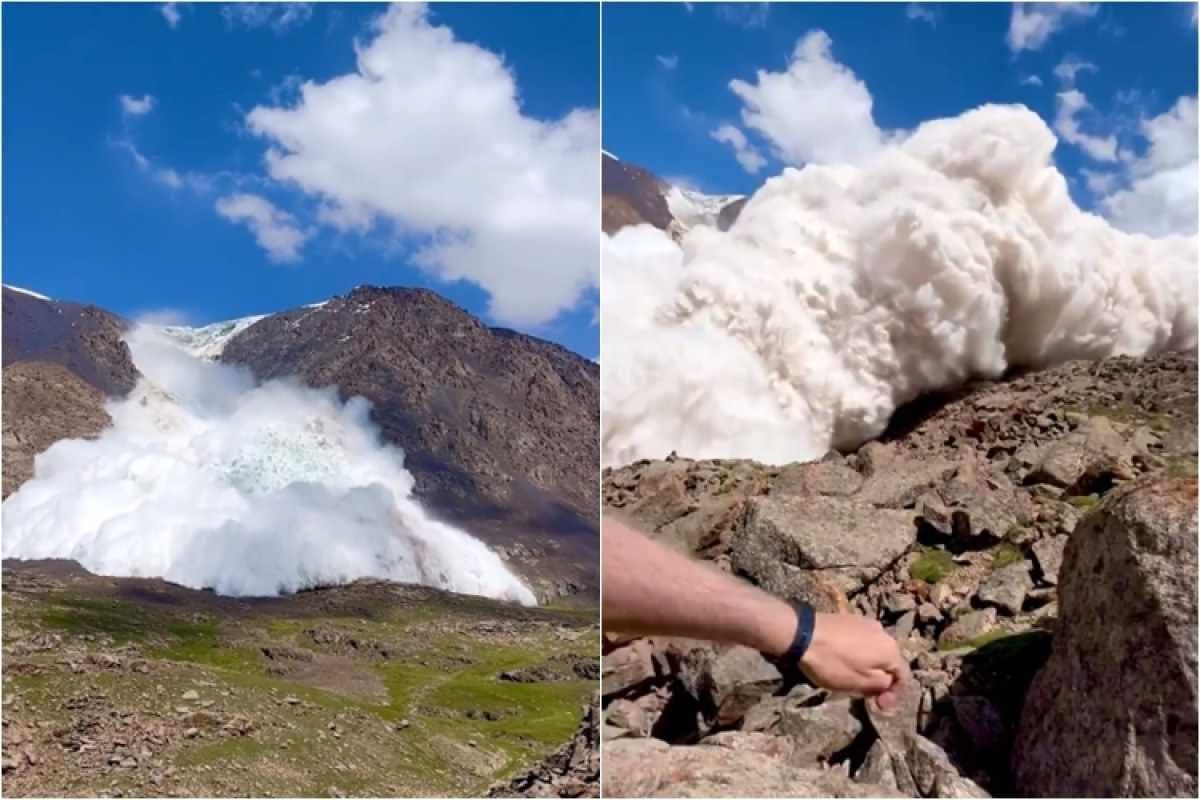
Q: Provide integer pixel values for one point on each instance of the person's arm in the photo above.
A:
(651, 589)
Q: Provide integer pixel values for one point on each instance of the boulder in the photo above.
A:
(627, 667)
(784, 540)
(652, 768)
(1114, 710)
(1048, 553)
(1006, 587)
(728, 680)
(1067, 461)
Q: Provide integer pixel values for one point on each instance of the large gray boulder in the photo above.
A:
(1114, 712)
(652, 768)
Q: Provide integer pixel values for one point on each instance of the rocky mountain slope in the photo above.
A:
(632, 195)
(85, 339)
(1038, 531)
(62, 361)
(128, 687)
(500, 429)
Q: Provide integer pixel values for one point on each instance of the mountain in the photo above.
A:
(62, 361)
(500, 429)
(1029, 542)
(85, 339)
(633, 195)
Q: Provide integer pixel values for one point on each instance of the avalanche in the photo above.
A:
(210, 480)
(843, 291)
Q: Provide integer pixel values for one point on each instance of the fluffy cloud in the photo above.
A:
(1070, 103)
(427, 137)
(275, 231)
(745, 153)
(1160, 195)
(171, 14)
(1070, 67)
(1031, 80)
(136, 106)
(816, 110)
(668, 62)
(744, 15)
(921, 12)
(1031, 25)
(279, 17)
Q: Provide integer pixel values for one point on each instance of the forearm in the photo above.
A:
(651, 589)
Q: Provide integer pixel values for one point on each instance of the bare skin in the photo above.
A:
(651, 589)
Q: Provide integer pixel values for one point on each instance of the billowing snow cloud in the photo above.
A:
(211, 481)
(427, 135)
(844, 290)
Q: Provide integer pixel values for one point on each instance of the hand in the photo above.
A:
(853, 654)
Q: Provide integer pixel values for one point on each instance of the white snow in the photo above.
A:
(208, 341)
(691, 208)
(19, 290)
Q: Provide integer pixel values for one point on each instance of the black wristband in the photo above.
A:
(806, 619)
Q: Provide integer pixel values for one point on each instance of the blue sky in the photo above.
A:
(141, 204)
(667, 70)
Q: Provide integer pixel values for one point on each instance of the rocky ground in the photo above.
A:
(1038, 531)
(127, 687)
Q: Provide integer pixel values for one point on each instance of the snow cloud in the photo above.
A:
(210, 480)
(427, 136)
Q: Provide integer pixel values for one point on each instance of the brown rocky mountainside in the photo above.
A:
(1029, 542)
(83, 338)
(500, 429)
(633, 195)
(43, 403)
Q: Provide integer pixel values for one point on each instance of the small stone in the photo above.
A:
(191, 733)
(1048, 553)
(191, 695)
(969, 626)
(1006, 587)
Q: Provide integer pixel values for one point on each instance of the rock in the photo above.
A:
(628, 716)
(1114, 711)
(784, 537)
(1048, 554)
(572, 770)
(1066, 461)
(652, 768)
(627, 667)
(877, 769)
(191, 695)
(819, 731)
(983, 723)
(968, 627)
(734, 680)
(928, 614)
(934, 774)
(1006, 587)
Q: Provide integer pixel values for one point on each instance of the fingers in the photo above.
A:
(875, 681)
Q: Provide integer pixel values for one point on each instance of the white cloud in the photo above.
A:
(746, 154)
(1070, 67)
(279, 17)
(1070, 103)
(1100, 183)
(1160, 197)
(1031, 80)
(276, 231)
(921, 12)
(136, 106)
(427, 137)
(744, 15)
(817, 110)
(171, 14)
(668, 62)
(1031, 25)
